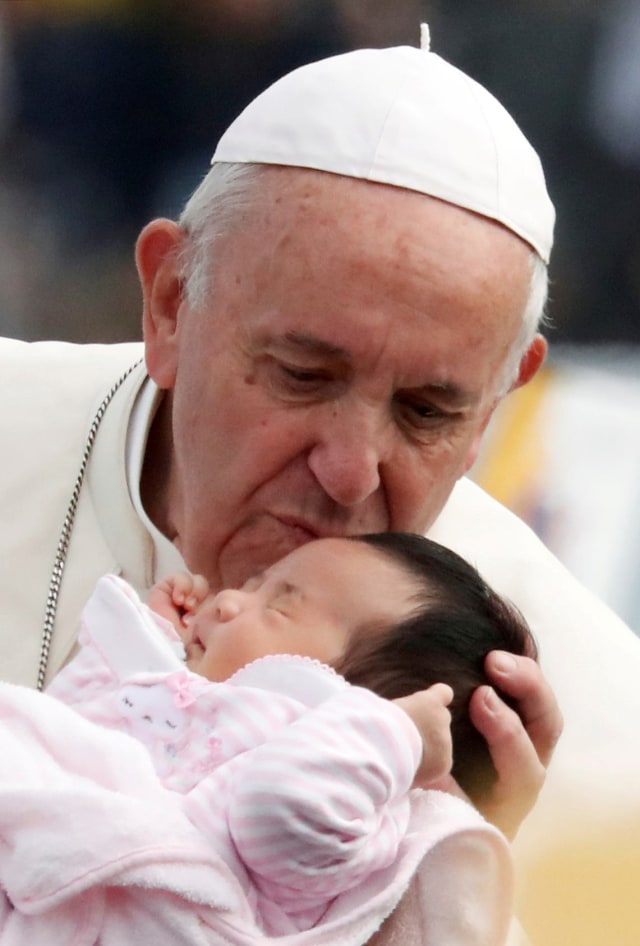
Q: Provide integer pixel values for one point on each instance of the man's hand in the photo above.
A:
(177, 598)
(521, 746)
(428, 710)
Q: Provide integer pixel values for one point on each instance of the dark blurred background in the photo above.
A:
(110, 110)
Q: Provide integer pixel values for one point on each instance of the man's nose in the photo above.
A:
(347, 457)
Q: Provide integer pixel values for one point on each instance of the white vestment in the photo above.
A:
(51, 392)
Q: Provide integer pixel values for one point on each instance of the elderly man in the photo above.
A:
(353, 288)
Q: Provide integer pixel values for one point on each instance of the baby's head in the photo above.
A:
(313, 602)
(456, 620)
(392, 612)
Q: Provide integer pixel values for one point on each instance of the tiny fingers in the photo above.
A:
(181, 585)
(199, 590)
(428, 710)
(189, 591)
(442, 692)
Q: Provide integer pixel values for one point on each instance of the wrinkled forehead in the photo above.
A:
(351, 264)
(286, 210)
(265, 193)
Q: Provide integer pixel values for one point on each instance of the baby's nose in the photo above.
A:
(228, 604)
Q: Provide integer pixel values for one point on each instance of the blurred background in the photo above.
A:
(110, 111)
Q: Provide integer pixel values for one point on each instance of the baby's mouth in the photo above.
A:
(194, 647)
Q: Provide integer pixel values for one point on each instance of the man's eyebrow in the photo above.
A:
(447, 392)
(311, 344)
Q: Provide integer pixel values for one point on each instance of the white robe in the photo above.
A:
(50, 393)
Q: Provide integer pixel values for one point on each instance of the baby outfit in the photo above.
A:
(276, 806)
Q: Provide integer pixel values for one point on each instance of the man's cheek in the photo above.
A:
(256, 544)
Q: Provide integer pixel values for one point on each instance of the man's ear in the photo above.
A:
(531, 361)
(530, 364)
(159, 272)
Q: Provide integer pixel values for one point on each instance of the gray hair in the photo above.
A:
(228, 189)
(534, 319)
(210, 213)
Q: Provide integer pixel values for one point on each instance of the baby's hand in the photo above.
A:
(178, 597)
(428, 710)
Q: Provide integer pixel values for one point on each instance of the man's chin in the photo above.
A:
(257, 546)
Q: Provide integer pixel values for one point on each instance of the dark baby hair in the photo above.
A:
(458, 619)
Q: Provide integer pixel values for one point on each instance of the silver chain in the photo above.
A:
(67, 527)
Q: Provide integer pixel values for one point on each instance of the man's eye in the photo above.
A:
(296, 380)
(421, 415)
(420, 412)
(302, 375)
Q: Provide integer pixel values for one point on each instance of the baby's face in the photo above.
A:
(309, 603)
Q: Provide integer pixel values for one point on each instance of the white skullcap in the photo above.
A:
(400, 116)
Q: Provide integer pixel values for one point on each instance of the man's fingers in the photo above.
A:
(522, 679)
(521, 773)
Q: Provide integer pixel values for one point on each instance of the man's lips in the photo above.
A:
(265, 536)
(308, 531)
(304, 530)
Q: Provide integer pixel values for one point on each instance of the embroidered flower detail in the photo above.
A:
(185, 686)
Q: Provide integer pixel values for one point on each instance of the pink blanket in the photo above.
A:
(94, 850)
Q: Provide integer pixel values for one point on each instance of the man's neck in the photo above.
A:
(157, 484)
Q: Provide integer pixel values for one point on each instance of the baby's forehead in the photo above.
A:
(320, 552)
(334, 560)
(274, 578)
(323, 562)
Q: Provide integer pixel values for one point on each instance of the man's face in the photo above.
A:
(309, 603)
(341, 374)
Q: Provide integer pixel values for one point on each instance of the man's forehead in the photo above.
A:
(411, 299)
(386, 225)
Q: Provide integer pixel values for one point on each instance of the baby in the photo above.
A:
(313, 700)
(393, 612)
